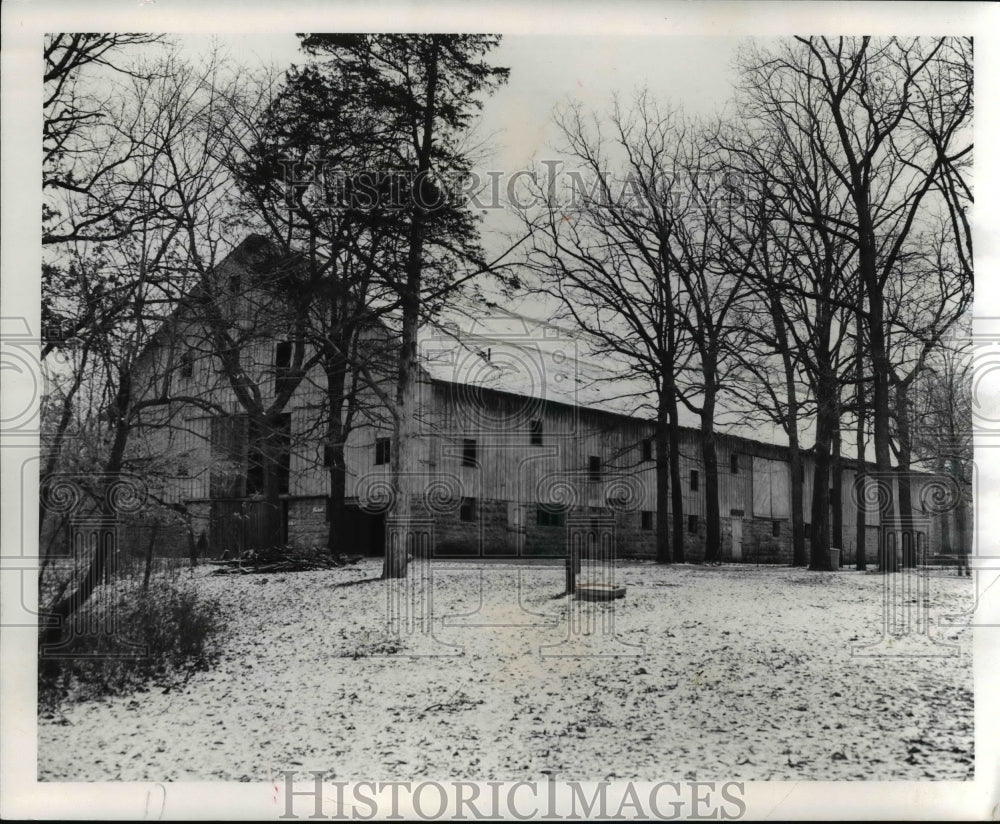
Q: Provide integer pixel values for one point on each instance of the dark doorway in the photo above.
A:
(365, 532)
(226, 529)
(262, 531)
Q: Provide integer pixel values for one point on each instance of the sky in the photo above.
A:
(546, 71)
(694, 74)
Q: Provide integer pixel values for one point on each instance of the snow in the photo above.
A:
(734, 672)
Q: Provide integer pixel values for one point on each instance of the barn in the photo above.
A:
(522, 433)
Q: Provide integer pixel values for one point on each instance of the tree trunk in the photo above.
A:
(713, 528)
(337, 538)
(662, 483)
(860, 480)
(792, 430)
(55, 444)
(336, 380)
(194, 546)
(676, 493)
(962, 543)
(103, 558)
(861, 523)
(819, 551)
(837, 489)
(799, 557)
(147, 573)
(906, 523)
(404, 458)
(272, 454)
(880, 373)
(946, 542)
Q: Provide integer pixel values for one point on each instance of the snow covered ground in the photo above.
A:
(731, 672)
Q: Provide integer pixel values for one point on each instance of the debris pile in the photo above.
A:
(283, 559)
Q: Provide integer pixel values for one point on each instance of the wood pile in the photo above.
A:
(282, 559)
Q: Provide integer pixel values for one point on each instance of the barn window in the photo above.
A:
(647, 520)
(734, 463)
(775, 528)
(547, 517)
(187, 364)
(228, 456)
(328, 455)
(647, 449)
(693, 524)
(694, 480)
(277, 434)
(536, 433)
(594, 468)
(467, 512)
(282, 363)
(382, 451)
(470, 452)
(234, 283)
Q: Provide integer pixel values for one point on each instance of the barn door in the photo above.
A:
(737, 528)
(516, 527)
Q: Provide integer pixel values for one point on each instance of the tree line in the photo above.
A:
(805, 259)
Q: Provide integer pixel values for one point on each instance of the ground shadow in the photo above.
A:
(355, 583)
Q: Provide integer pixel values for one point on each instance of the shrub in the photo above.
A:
(162, 635)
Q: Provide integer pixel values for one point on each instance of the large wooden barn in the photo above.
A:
(520, 434)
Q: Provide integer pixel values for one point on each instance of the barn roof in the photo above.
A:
(493, 348)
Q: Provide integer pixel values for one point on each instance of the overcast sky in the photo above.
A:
(693, 72)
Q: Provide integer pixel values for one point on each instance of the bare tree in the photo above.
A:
(803, 277)
(771, 346)
(941, 426)
(117, 394)
(644, 261)
(90, 148)
(888, 120)
(124, 358)
(925, 302)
